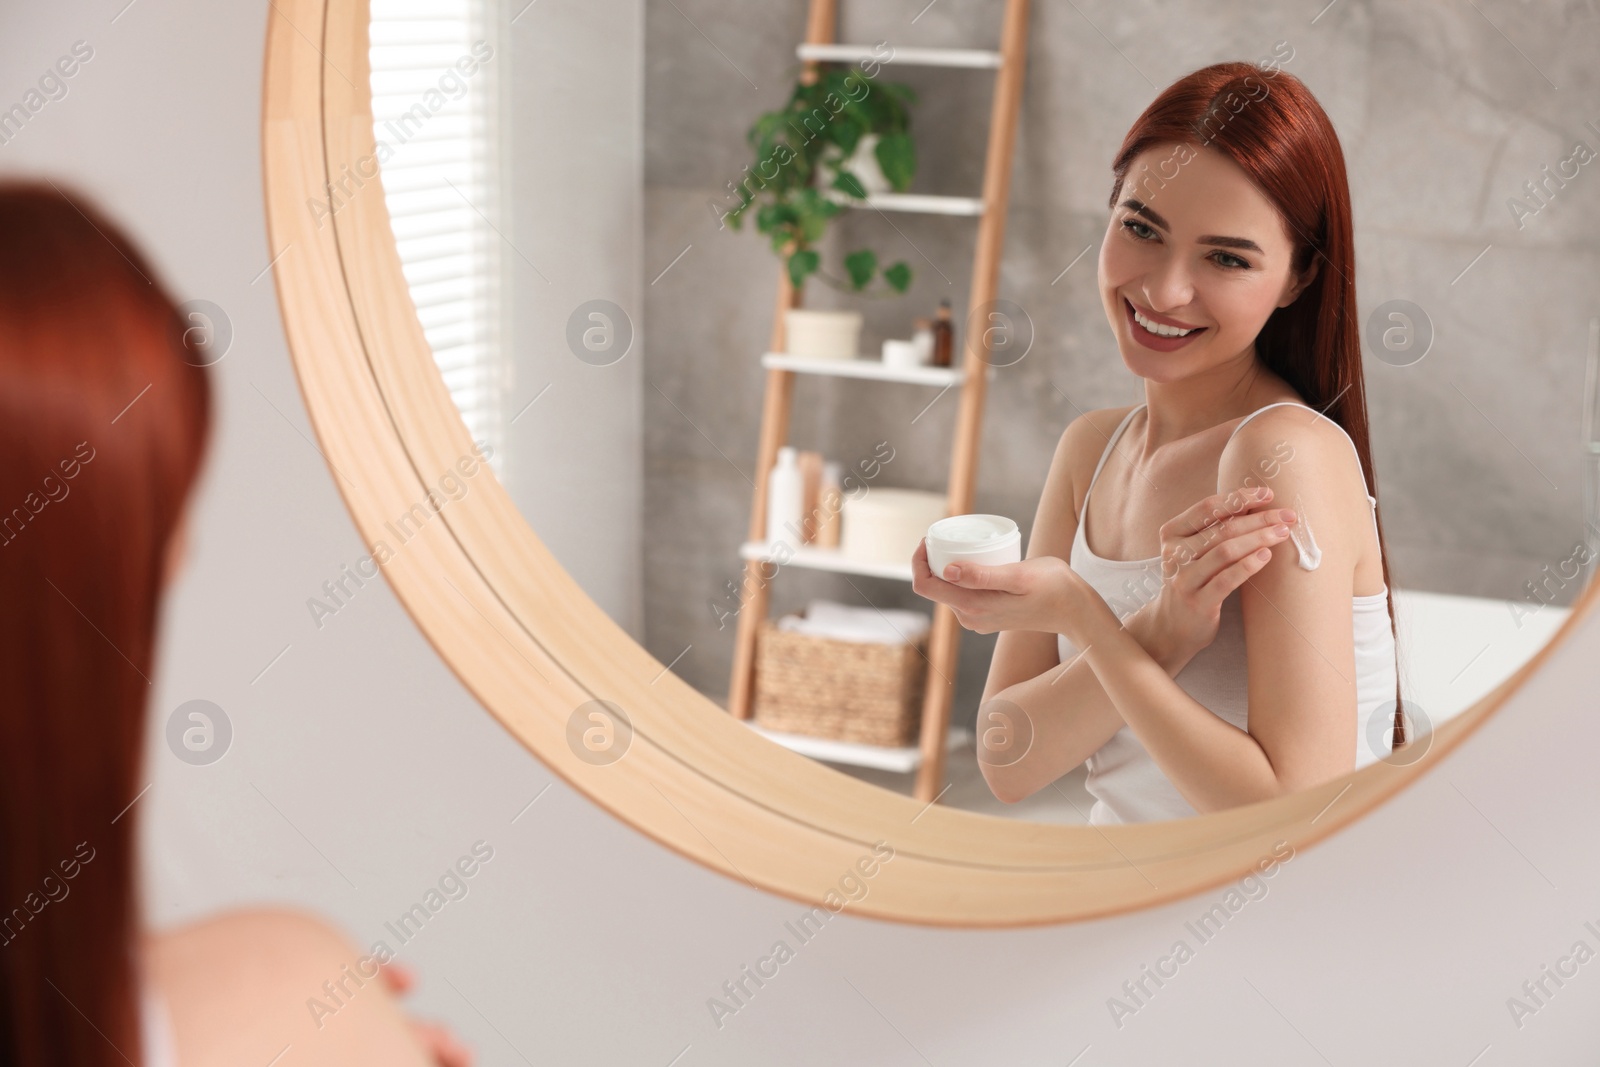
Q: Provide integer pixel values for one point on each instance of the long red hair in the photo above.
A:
(1269, 123)
(104, 415)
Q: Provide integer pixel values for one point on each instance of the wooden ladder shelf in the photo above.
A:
(969, 376)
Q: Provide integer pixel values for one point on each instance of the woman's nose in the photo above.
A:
(1169, 286)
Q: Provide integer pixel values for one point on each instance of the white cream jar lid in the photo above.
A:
(973, 532)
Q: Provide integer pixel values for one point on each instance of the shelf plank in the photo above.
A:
(864, 367)
(903, 760)
(973, 58)
(923, 203)
(828, 559)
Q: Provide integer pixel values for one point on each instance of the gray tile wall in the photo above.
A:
(1443, 111)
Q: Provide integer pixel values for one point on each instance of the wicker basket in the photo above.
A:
(859, 691)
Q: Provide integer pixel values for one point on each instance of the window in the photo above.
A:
(436, 104)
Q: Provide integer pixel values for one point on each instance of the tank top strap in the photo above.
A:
(1275, 404)
(1372, 501)
(1111, 443)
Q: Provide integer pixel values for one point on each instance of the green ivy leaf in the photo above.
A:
(801, 264)
(897, 156)
(849, 183)
(901, 92)
(765, 126)
(772, 216)
(898, 276)
(845, 133)
(861, 266)
(812, 213)
(812, 226)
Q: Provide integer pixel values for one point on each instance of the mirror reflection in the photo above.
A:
(818, 417)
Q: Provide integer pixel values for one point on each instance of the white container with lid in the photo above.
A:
(902, 354)
(883, 524)
(985, 539)
(817, 334)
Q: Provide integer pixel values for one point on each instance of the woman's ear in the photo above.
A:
(1306, 278)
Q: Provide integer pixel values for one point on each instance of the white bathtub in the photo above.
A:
(1454, 649)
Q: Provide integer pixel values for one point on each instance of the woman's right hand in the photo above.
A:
(1207, 551)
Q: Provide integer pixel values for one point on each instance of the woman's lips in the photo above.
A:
(1152, 340)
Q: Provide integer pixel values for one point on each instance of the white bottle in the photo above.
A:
(922, 341)
(785, 496)
(832, 501)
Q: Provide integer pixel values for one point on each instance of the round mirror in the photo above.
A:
(646, 414)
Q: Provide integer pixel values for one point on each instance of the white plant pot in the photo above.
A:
(823, 334)
(863, 163)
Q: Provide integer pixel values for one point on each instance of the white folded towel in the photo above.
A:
(843, 622)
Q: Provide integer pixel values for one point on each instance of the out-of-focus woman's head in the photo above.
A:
(105, 410)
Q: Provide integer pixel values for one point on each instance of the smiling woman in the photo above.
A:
(1235, 298)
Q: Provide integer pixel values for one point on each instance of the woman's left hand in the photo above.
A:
(1042, 593)
(441, 1043)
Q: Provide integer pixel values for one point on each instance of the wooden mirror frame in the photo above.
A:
(532, 647)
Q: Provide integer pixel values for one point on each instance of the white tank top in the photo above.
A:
(1125, 782)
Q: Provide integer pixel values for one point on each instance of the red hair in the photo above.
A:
(1270, 124)
(104, 415)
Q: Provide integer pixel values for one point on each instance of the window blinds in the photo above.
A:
(436, 109)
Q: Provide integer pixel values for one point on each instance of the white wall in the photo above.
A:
(576, 205)
(361, 768)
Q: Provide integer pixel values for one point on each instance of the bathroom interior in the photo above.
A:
(365, 758)
(1486, 463)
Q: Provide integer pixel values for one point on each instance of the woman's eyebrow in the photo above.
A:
(1244, 243)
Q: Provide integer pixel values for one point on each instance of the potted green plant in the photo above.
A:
(822, 137)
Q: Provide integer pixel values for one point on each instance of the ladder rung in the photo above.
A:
(911, 57)
(827, 559)
(864, 367)
(920, 202)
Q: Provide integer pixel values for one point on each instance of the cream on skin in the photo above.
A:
(1304, 538)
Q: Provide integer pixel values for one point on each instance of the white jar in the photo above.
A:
(884, 523)
(985, 539)
(901, 354)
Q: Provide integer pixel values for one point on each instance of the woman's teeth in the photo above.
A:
(1158, 329)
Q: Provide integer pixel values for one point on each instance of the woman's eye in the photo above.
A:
(1138, 230)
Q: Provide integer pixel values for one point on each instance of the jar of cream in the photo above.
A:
(985, 539)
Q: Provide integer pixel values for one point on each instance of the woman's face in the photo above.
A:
(1193, 243)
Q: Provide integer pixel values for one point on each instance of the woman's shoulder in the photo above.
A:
(1086, 437)
(1061, 499)
(1293, 429)
(1082, 444)
(1297, 450)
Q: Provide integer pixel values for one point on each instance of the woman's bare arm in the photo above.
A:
(1298, 637)
(1058, 712)
(240, 987)
(1298, 624)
